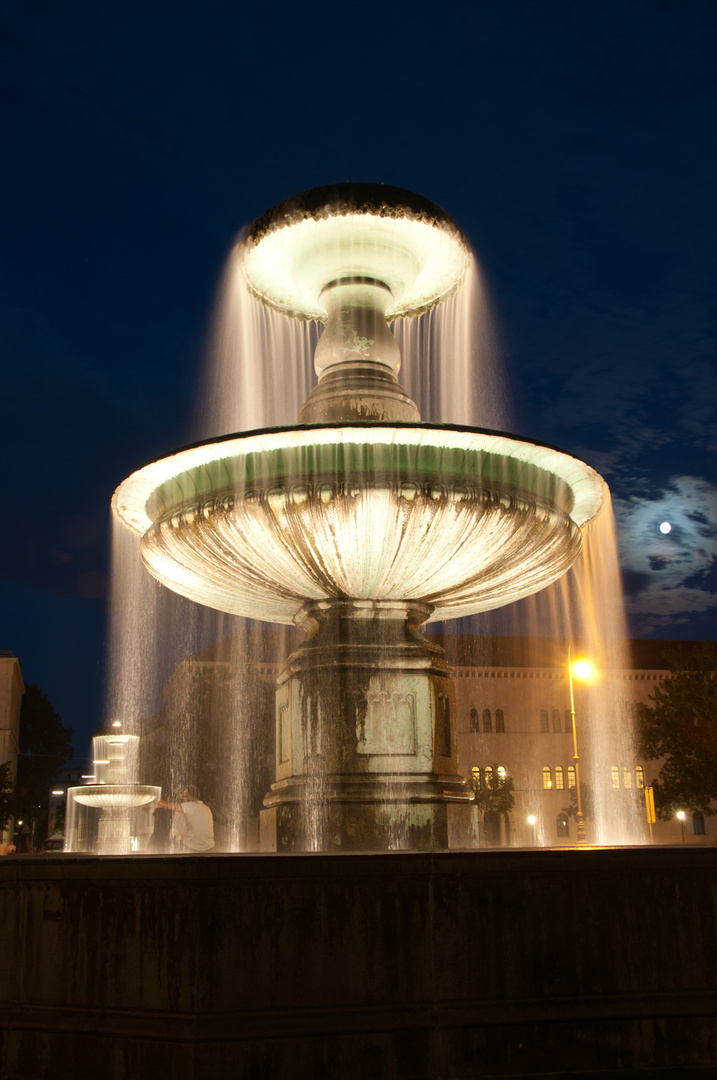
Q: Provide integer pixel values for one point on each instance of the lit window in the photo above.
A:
(475, 778)
(501, 772)
(547, 776)
(559, 778)
(561, 825)
(544, 720)
(487, 722)
(568, 721)
(499, 720)
(556, 720)
(571, 776)
(698, 823)
(615, 774)
(639, 776)
(626, 778)
(488, 773)
(475, 725)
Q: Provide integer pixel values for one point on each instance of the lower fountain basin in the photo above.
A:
(116, 796)
(463, 520)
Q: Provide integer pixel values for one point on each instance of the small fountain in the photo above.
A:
(114, 794)
(361, 524)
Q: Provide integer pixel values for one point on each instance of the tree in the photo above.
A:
(45, 746)
(586, 801)
(494, 792)
(681, 727)
(7, 788)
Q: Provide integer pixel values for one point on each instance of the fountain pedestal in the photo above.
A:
(366, 745)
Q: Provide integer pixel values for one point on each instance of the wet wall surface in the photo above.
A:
(456, 964)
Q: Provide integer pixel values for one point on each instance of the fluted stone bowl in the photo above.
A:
(463, 520)
(116, 796)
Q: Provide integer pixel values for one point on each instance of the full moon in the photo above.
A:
(665, 527)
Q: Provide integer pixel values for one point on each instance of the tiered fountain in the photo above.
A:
(114, 793)
(360, 524)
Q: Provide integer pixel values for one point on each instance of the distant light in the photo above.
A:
(582, 669)
(21, 822)
(101, 761)
(531, 820)
(681, 815)
(87, 776)
(58, 792)
(116, 723)
(665, 527)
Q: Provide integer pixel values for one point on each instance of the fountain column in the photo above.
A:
(366, 745)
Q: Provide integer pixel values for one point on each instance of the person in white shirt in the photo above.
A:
(199, 830)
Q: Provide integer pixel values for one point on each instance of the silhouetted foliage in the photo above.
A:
(681, 727)
(45, 746)
(7, 790)
(586, 801)
(495, 794)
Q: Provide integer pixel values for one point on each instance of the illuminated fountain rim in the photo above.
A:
(353, 230)
(263, 524)
(115, 796)
(134, 495)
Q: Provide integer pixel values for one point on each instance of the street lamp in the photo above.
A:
(681, 818)
(579, 669)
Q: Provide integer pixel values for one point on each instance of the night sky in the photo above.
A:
(573, 142)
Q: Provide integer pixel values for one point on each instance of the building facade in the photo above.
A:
(513, 721)
(11, 690)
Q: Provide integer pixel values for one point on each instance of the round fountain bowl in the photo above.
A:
(346, 231)
(116, 796)
(460, 519)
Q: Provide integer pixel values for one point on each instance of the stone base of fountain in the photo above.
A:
(366, 746)
(581, 964)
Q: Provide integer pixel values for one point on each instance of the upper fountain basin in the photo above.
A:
(349, 231)
(460, 519)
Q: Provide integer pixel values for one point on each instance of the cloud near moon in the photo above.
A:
(667, 574)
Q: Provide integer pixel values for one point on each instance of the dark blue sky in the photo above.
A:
(573, 142)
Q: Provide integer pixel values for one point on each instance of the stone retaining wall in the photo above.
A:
(455, 965)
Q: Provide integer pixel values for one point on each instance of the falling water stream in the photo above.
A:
(258, 372)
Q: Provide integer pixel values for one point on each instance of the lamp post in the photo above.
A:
(681, 819)
(581, 669)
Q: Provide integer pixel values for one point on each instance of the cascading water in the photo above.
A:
(452, 369)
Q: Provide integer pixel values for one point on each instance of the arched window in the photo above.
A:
(475, 723)
(639, 776)
(547, 777)
(559, 785)
(568, 721)
(487, 722)
(615, 774)
(501, 772)
(492, 829)
(556, 720)
(499, 721)
(488, 773)
(561, 826)
(475, 778)
(626, 778)
(544, 720)
(698, 823)
(571, 776)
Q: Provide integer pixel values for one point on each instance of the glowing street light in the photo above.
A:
(579, 669)
(681, 818)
